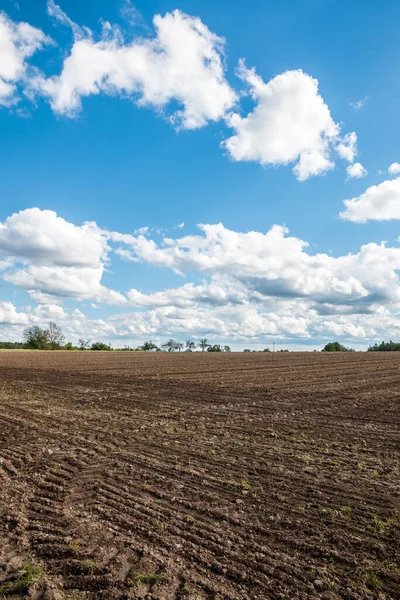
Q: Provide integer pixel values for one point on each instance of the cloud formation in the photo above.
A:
(378, 203)
(254, 284)
(52, 256)
(151, 71)
(10, 316)
(347, 147)
(290, 123)
(356, 171)
(394, 169)
(276, 265)
(18, 42)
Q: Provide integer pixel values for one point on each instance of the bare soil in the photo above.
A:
(199, 476)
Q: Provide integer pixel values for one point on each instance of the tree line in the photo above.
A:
(189, 346)
(382, 347)
(385, 347)
(52, 338)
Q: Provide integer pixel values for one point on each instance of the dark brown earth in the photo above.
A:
(199, 476)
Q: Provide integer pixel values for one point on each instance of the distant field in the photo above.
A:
(199, 476)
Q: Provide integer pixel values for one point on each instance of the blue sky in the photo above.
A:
(110, 118)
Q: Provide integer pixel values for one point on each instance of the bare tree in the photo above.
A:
(190, 345)
(203, 344)
(171, 345)
(84, 344)
(55, 335)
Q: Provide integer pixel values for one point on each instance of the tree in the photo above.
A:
(190, 345)
(267, 350)
(246, 350)
(214, 348)
(203, 344)
(100, 346)
(35, 338)
(55, 336)
(148, 347)
(171, 345)
(227, 348)
(83, 344)
(179, 346)
(335, 347)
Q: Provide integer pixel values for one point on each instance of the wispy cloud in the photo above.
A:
(359, 104)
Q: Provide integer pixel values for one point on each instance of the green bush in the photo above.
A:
(336, 347)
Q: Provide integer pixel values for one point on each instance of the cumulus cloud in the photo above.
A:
(290, 123)
(10, 316)
(243, 322)
(82, 283)
(213, 294)
(254, 284)
(43, 236)
(49, 255)
(277, 265)
(394, 168)
(18, 41)
(152, 71)
(356, 171)
(347, 147)
(378, 203)
(288, 320)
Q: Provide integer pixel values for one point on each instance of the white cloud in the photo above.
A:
(79, 282)
(243, 322)
(10, 316)
(356, 171)
(276, 265)
(378, 203)
(42, 236)
(288, 320)
(57, 257)
(255, 285)
(213, 294)
(290, 123)
(338, 328)
(347, 147)
(153, 71)
(55, 11)
(18, 41)
(130, 13)
(359, 104)
(394, 168)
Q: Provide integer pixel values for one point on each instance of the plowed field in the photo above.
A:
(199, 476)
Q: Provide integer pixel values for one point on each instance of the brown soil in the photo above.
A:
(199, 476)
